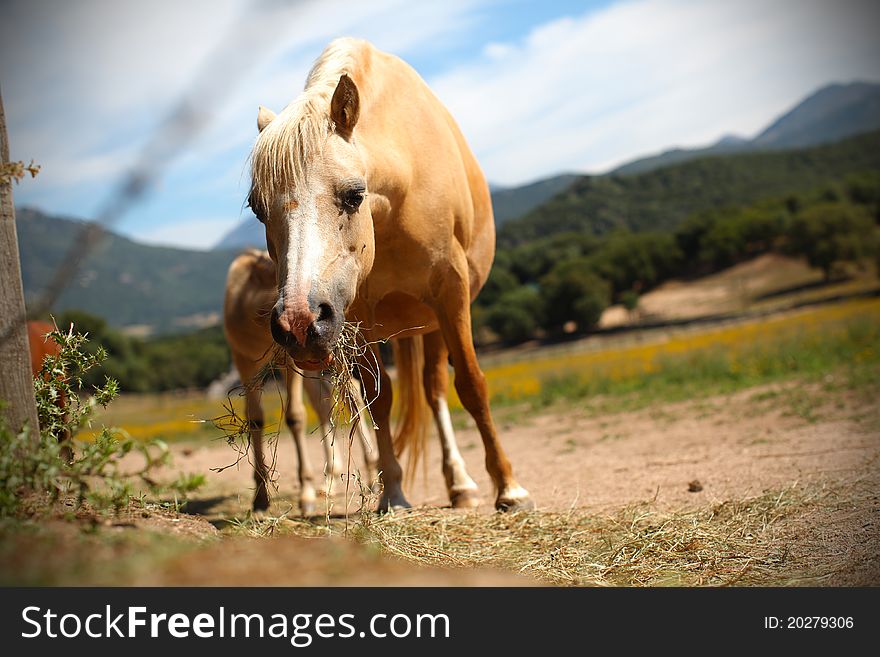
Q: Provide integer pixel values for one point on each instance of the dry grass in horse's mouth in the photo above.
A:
(351, 352)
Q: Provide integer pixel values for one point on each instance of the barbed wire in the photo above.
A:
(236, 52)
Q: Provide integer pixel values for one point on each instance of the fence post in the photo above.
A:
(16, 382)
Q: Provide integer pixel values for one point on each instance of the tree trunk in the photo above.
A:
(16, 380)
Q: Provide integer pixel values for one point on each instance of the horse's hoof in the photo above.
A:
(307, 508)
(397, 503)
(67, 454)
(261, 500)
(512, 504)
(465, 499)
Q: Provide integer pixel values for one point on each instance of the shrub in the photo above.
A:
(828, 233)
(32, 461)
(572, 292)
(516, 315)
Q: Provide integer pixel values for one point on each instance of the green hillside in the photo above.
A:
(663, 198)
(513, 202)
(169, 290)
(123, 281)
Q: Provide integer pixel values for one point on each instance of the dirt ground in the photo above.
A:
(734, 445)
(678, 456)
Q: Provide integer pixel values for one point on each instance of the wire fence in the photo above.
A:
(236, 52)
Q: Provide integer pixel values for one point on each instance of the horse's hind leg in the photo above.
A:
(462, 489)
(295, 417)
(247, 370)
(452, 306)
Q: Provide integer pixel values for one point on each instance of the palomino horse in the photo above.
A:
(40, 346)
(250, 294)
(377, 212)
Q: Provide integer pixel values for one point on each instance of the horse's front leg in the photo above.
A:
(452, 306)
(377, 386)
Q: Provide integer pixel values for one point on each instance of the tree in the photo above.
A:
(828, 233)
(500, 281)
(573, 292)
(16, 381)
(864, 189)
(636, 260)
(516, 315)
(630, 300)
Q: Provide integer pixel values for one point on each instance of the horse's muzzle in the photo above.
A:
(310, 348)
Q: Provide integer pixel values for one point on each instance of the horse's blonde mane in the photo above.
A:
(285, 146)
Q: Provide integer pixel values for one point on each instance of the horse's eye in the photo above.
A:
(352, 199)
(255, 209)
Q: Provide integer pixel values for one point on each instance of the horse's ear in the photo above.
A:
(265, 116)
(345, 106)
(264, 269)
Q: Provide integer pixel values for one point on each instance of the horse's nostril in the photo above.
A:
(325, 313)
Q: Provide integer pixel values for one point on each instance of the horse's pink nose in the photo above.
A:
(296, 321)
(307, 336)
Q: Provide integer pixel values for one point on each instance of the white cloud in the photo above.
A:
(86, 83)
(589, 92)
(83, 79)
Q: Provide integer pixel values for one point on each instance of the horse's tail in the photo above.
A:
(411, 432)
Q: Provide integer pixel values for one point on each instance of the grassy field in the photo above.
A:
(698, 362)
(180, 416)
(617, 372)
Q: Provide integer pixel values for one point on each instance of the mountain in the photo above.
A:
(159, 289)
(723, 146)
(512, 202)
(249, 232)
(162, 290)
(831, 114)
(660, 199)
(828, 115)
(508, 203)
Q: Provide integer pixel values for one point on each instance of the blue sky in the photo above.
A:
(537, 87)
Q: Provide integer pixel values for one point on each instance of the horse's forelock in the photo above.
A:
(281, 154)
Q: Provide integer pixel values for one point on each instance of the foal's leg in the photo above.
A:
(462, 489)
(379, 393)
(453, 310)
(295, 416)
(253, 410)
(64, 438)
(320, 395)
